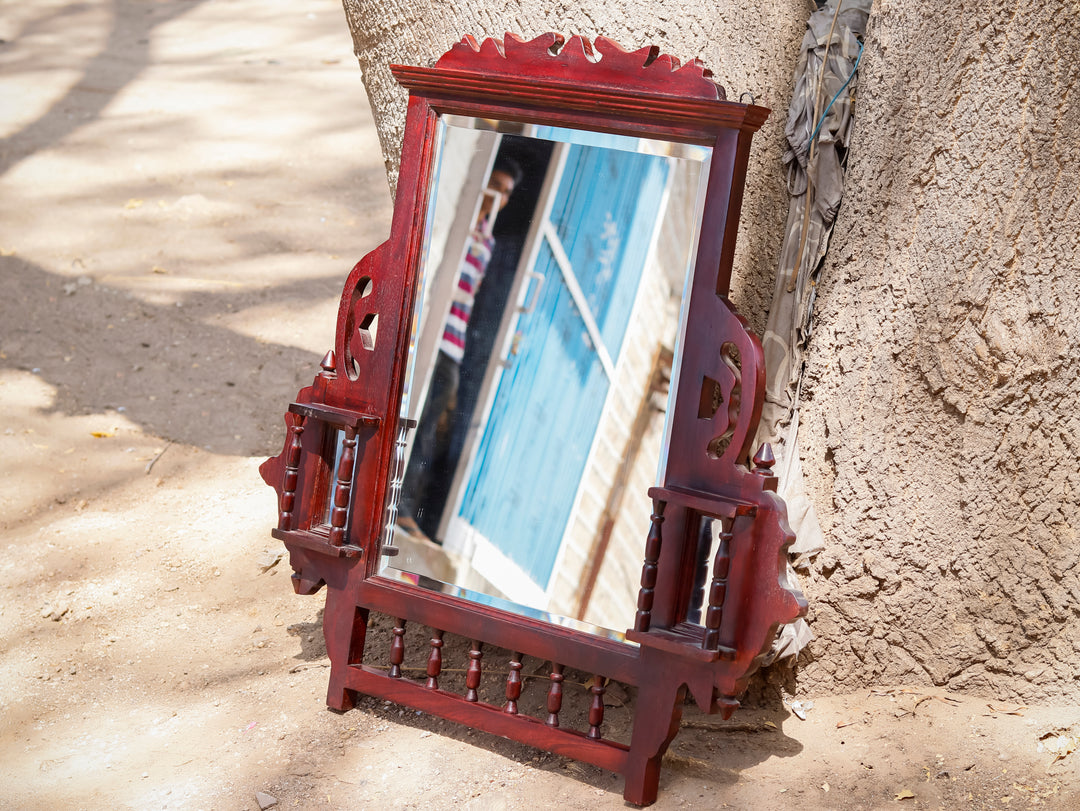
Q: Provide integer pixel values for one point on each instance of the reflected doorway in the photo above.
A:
(564, 352)
(489, 310)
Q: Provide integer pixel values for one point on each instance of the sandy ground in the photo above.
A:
(183, 188)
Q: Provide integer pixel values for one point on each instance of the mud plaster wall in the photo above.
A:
(941, 434)
(751, 48)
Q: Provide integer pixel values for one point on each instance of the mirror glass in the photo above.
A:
(552, 277)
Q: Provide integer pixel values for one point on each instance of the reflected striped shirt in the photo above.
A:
(473, 267)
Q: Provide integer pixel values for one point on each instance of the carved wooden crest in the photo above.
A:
(577, 61)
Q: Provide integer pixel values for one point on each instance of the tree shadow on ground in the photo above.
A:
(173, 374)
(125, 54)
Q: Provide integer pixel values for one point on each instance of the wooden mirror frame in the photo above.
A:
(333, 522)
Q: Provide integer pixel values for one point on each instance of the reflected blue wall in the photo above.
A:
(548, 403)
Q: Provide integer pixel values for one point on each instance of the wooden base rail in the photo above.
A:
(488, 718)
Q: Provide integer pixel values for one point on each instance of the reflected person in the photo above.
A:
(436, 427)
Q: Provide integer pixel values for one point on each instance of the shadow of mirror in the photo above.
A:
(553, 272)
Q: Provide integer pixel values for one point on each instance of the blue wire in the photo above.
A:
(854, 70)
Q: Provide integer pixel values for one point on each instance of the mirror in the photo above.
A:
(551, 287)
(475, 454)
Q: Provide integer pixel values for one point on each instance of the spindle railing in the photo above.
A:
(433, 669)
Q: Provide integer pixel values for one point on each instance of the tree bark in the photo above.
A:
(750, 48)
(940, 430)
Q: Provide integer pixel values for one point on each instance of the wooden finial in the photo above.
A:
(764, 460)
(725, 705)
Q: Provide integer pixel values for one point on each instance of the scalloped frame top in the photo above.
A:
(572, 61)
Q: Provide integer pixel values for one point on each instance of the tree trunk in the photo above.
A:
(940, 430)
(750, 48)
(939, 439)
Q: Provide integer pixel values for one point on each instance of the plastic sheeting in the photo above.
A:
(818, 129)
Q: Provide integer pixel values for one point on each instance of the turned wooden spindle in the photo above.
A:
(434, 662)
(292, 475)
(649, 570)
(554, 699)
(513, 684)
(343, 487)
(725, 705)
(718, 590)
(397, 649)
(472, 675)
(596, 708)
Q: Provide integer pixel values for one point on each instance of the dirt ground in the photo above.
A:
(183, 188)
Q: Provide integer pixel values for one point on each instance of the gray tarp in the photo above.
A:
(790, 315)
(815, 177)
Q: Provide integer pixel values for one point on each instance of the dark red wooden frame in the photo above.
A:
(708, 473)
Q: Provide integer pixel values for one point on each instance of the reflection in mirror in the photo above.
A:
(336, 451)
(551, 283)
